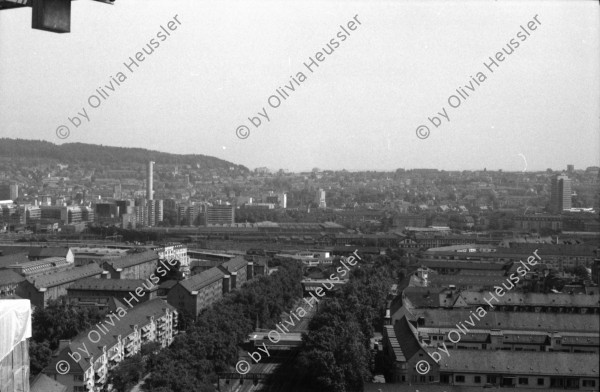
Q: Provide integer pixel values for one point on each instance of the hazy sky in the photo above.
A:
(359, 109)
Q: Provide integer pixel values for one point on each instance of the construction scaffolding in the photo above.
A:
(15, 329)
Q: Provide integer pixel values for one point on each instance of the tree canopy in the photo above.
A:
(210, 344)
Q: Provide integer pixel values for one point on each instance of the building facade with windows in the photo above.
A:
(202, 290)
(132, 266)
(152, 321)
(220, 214)
(560, 197)
(42, 288)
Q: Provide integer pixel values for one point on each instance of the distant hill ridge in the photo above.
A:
(93, 153)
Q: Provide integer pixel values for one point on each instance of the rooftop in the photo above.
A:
(457, 264)
(14, 258)
(527, 321)
(98, 251)
(43, 383)
(424, 297)
(406, 337)
(58, 278)
(532, 299)
(110, 284)
(131, 260)
(521, 362)
(379, 387)
(235, 264)
(203, 279)
(10, 277)
(49, 262)
(139, 315)
(438, 280)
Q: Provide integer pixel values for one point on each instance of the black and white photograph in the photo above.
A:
(299, 196)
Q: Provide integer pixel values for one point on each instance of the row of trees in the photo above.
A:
(210, 345)
(56, 322)
(336, 355)
(60, 321)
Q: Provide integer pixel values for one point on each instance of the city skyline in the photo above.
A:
(286, 196)
(526, 167)
(540, 102)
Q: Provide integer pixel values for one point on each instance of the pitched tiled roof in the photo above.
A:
(532, 299)
(397, 309)
(114, 304)
(526, 321)
(48, 261)
(15, 258)
(423, 297)
(260, 261)
(474, 336)
(63, 277)
(235, 264)
(10, 277)
(549, 249)
(393, 343)
(381, 387)
(112, 284)
(204, 278)
(407, 337)
(43, 383)
(486, 272)
(439, 280)
(521, 362)
(539, 267)
(205, 263)
(133, 259)
(167, 284)
(463, 265)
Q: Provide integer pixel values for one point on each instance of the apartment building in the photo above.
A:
(425, 277)
(132, 266)
(220, 214)
(452, 298)
(40, 289)
(9, 192)
(508, 331)
(152, 321)
(198, 292)
(41, 267)
(530, 302)
(67, 214)
(520, 358)
(202, 290)
(471, 268)
(539, 341)
(98, 292)
(86, 254)
(520, 370)
(178, 252)
(557, 256)
(403, 221)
